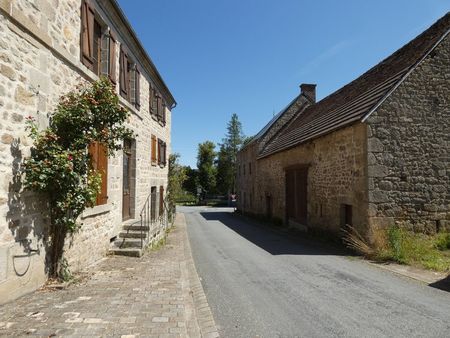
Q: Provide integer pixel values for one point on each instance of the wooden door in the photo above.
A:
(126, 205)
(296, 195)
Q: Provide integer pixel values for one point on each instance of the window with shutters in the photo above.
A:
(153, 102)
(154, 151)
(97, 43)
(130, 79)
(161, 200)
(99, 162)
(125, 72)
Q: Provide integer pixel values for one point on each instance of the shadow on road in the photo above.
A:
(443, 284)
(273, 242)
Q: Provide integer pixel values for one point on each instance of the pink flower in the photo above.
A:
(70, 157)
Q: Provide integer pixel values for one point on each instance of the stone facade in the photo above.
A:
(39, 62)
(336, 177)
(376, 151)
(408, 149)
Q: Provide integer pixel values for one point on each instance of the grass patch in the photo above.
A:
(402, 246)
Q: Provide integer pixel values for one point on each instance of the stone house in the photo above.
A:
(47, 48)
(372, 154)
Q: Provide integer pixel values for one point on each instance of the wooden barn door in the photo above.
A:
(296, 195)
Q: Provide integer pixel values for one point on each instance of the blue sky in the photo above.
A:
(248, 57)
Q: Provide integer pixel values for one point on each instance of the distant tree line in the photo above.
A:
(216, 167)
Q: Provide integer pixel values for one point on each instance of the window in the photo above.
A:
(154, 155)
(157, 106)
(99, 162)
(243, 166)
(161, 200)
(250, 168)
(161, 152)
(124, 76)
(135, 87)
(97, 44)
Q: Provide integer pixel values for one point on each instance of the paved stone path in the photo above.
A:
(158, 295)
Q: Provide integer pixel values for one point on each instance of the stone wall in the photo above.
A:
(336, 176)
(39, 62)
(409, 142)
(246, 179)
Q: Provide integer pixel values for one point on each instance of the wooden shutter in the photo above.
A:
(137, 88)
(150, 97)
(154, 158)
(112, 57)
(99, 158)
(87, 35)
(159, 151)
(158, 106)
(102, 167)
(164, 153)
(123, 60)
(161, 200)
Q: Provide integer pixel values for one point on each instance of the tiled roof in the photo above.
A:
(354, 101)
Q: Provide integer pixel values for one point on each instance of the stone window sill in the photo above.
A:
(97, 210)
(128, 105)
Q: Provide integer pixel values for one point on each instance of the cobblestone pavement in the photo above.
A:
(158, 295)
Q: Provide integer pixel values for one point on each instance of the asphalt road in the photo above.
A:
(261, 284)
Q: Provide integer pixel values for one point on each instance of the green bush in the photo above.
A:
(443, 242)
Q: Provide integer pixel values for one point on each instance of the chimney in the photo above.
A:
(309, 90)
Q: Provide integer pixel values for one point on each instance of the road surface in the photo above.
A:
(261, 284)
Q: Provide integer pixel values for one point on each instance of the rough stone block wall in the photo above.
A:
(409, 142)
(245, 184)
(336, 176)
(39, 62)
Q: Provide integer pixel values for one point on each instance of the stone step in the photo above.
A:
(133, 234)
(135, 227)
(130, 252)
(129, 243)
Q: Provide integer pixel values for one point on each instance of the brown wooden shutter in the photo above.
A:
(99, 158)
(159, 151)
(158, 106)
(87, 35)
(123, 78)
(137, 93)
(154, 158)
(164, 153)
(102, 167)
(161, 200)
(150, 97)
(112, 57)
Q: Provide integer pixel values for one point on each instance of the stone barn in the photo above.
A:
(372, 154)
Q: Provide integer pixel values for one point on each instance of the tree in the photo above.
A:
(229, 148)
(177, 176)
(205, 164)
(191, 183)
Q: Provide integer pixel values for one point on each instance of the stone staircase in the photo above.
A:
(132, 240)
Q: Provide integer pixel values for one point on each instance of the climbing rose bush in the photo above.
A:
(60, 166)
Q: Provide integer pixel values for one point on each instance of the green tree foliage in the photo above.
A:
(206, 168)
(177, 177)
(226, 162)
(191, 183)
(60, 167)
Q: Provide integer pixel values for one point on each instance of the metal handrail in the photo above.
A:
(145, 218)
